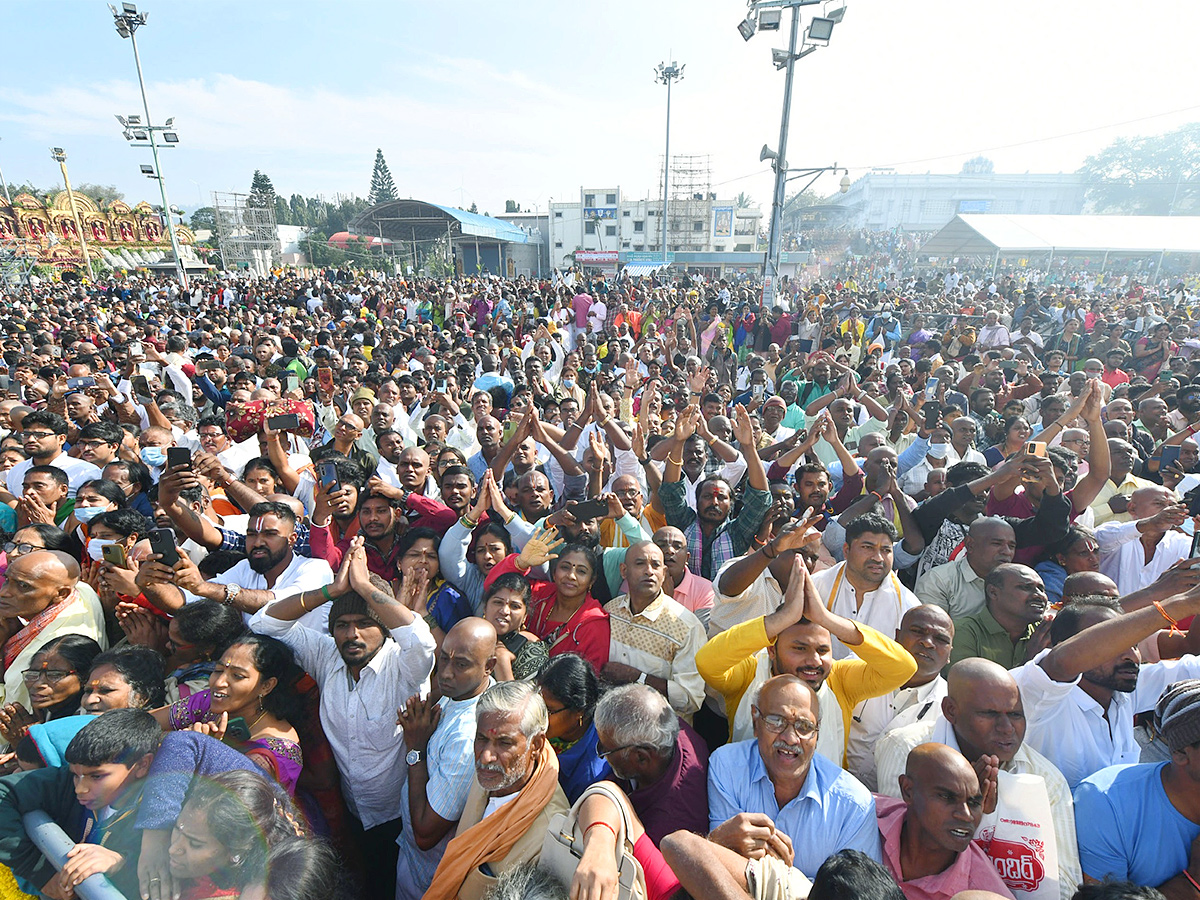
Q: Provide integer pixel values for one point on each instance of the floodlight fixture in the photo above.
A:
(140, 136)
(769, 19)
(129, 9)
(58, 154)
(820, 29)
(746, 28)
(169, 122)
(123, 121)
(780, 58)
(837, 15)
(134, 119)
(147, 170)
(170, 137)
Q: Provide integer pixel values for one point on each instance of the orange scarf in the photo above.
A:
(26, 636)
(493, 837)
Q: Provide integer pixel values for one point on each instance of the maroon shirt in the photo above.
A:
(680, 798)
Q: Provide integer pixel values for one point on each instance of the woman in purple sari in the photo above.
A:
(250, 705)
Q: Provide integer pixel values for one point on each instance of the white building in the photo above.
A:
(602, 220)
(880, 201)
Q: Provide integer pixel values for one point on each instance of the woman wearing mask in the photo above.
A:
(93, 499)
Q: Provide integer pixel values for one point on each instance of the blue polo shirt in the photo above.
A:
(832, 812)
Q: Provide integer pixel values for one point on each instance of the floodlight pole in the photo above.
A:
(665, 74)
(780, 163)
(133, 22)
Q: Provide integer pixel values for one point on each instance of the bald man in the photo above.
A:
(1135, 553)
(39, 601)
(440, 735)
(927, 633)
(1003, 629)
(693, 591)
(629, 491)
(957, 586)
(927, 837)
(654, 638)
(983, 718)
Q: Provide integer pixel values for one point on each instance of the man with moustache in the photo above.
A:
(376, 655)
(1001, 631)
(514, 796)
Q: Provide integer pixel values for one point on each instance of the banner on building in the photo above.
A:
(722, 221)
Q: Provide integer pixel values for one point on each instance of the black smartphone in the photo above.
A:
(1170, 457)
(588, 509)
(141, 386)
(1195, 545)
(329, 477)
(804, 346)
(933, 412)
(162, 541)
(288, 422)
(75, 384)
(178, 456)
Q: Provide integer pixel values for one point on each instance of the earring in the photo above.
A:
(236, 859)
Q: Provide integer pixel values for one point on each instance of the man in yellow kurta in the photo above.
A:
(795, 640)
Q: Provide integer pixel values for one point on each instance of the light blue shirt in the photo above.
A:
(1128, 828)
(832, 812)
(451, 767)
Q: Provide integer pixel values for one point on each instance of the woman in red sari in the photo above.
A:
(563, 612)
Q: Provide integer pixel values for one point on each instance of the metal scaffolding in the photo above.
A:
(691, 202)
(247, 235)
(16, 264)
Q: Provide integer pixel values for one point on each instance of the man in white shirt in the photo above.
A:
(927, 633)
(1135, 553)
(981, 717)
(1081, 695)
(43, 434)
(993, 334)
(271, 570)
(376, 656)
(864, 588)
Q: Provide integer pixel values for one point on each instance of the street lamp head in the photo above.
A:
(820, 29)
(780, 58)
(844, 184)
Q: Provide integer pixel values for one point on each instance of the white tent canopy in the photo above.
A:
(986, 235)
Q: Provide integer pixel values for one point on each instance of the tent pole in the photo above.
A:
(1104, 263)
(995, 261)
(1158, 266)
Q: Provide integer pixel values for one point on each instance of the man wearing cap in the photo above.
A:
(773, 412)
(377, 654)
(1138, 822)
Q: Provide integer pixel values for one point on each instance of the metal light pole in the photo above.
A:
(60, 157)
(664, 74)
(780, 164)
(128, 20)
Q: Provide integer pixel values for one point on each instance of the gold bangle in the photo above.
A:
(607, 419)
(675, 462)
(301, 599)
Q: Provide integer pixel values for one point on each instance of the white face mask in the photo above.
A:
(937, 451)
(95, 548)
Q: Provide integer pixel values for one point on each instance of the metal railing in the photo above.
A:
(54, 844)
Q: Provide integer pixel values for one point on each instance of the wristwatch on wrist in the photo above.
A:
(413, 757)
(231, 594)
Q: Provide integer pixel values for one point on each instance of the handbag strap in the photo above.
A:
(623, 837)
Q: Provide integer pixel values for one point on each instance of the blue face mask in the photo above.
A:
(154, 456)
(87, 513)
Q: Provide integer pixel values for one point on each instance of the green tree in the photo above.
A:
(101, 193)
(1152, 176)
(204, 217)
(793, 206)
(474, 208)
(383, 189)
(743, 201)
(512, 206)
(283, 212)
(262, 192)
(299, 207)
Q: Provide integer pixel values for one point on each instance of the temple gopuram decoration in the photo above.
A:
(117, 234)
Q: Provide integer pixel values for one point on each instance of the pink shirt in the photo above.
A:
(580, 304)
(693, 592)
(970, 871)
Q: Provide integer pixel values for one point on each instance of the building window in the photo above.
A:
(558, 215)
(558, 245)
(625, 245)
(625, 213)
(610, 199)
(638, 226)
(697, 226)
(589, 199)
(589, 227)
(610, 230)
(639, 248)
(720, 248)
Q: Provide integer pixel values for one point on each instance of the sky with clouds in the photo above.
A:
(487, 101)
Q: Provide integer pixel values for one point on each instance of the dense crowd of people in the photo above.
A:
(342, 584)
